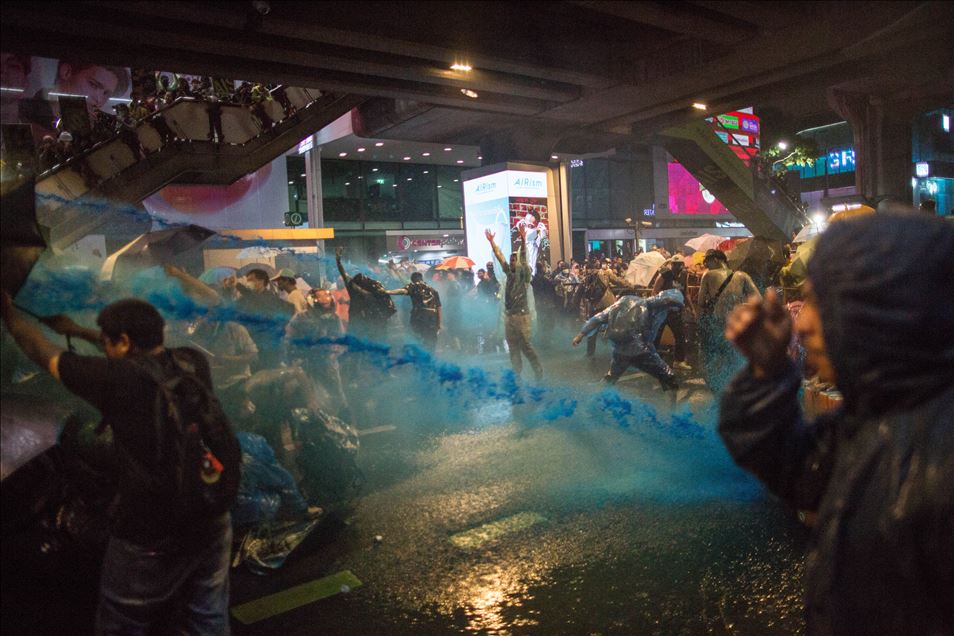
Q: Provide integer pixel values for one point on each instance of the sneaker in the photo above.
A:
(682, 366)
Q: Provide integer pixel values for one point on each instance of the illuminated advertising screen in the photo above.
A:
(504, 202)
(687, 196)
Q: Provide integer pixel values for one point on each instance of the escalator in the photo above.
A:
(190, 141)
(758, 202)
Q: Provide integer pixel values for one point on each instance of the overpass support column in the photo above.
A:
(882, 141)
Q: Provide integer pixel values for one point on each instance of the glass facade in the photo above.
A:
(607, 192)
(366, 191)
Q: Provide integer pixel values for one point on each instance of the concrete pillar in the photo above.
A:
(882, 139)
(316, 214)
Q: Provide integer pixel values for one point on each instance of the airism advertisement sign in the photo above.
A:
(504, 202)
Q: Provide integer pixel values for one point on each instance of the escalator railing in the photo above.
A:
(757, 201)
(189, 141)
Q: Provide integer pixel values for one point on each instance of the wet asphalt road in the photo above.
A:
(499, 526)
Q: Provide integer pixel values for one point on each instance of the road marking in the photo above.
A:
(476, 537)
(294, 597)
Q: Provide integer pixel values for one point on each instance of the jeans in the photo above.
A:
(139, 584)
(650, 362)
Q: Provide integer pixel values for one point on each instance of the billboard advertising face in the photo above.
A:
(504, 203)
(687, 196)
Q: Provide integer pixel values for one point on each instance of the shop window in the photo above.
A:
(340, 190)
(416, 185)
(450, 204)
(380, 194)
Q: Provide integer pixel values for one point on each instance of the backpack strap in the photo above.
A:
(710, 305)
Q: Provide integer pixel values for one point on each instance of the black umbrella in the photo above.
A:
(156, 248)
(20, 240)
(757, 257)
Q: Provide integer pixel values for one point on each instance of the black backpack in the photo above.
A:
(595, 288)
(198, 463)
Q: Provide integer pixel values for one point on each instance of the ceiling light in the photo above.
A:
(554, 157)
(410, 179)
(427, 172)
(448, 149)
(361, 149)
(407, 158)
(469, 93)
(360, 177)
(374, 169)
(425, 154)
(457, 66)
(440, 186)
(347, 183)
(303, 174)
(342, 154)
(699, 106)
(782, 145)
(480, 158)
(394, 186)
(460, 161)
(291, 183)
(456, 180)
(378, 144)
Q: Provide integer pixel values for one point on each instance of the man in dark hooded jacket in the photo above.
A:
(878, 321)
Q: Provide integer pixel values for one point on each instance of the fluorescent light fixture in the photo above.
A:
(361, 149)
(460, 161)
(448, 149)
(303, 174)
(410, 179)
(469, 93)
(394, 186)
(456, 180)
(68, 95)
(946, 123)
(783, 145)
(342, 154)
(457, 66)
(374, 169)
(407, 158)
(445, 235)
(425, 154)
(10, 89)
(554, 157)
(440, 186)
(378, 144)
(347, 183)
(120, 99)
(291, 183)
(480, 158)
(427, 172)
(699, 106)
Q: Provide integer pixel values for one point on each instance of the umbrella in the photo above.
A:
(642, 268)
(757, 257)
(156, 248)
(259, 251)
(847, 214)
(28, 427)
(456, 262)
(216, 275)
(794, 273)
(809, 231)
(21, 242)
(705, 242)
(728, 244)
(245, 269)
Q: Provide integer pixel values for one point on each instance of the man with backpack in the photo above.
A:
(631, 325)
(598, 293)
(179, 464)
(425, 309)
(720, 291)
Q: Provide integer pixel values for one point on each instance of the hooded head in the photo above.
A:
(884, 286)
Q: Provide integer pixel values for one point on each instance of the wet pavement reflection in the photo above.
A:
(494, 527)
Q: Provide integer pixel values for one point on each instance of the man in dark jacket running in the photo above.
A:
(878, 321)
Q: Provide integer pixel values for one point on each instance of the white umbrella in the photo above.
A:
(259, 251)
(642, 268)
(809, 231)
(705, 242)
